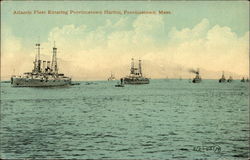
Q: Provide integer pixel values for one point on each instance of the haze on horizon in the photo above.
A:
(167, 47)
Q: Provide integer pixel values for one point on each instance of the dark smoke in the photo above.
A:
(193, 71)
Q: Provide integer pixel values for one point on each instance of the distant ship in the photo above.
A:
(166, 79)
(136, 76)
(230, 79)
(112, 77)
(197, 78)
(243, 79)
(222, 79)
(42, 75)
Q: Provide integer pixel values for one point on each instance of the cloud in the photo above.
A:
(106, 48)
(92, 53)
(187, 34)
(148, 24)
(15, 58)
(211, 48)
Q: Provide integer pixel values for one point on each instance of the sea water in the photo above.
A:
(166, 119)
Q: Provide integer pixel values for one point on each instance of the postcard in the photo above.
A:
(125, 80)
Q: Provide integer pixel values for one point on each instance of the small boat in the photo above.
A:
(121, 84)
(90, 83)
(75, 83)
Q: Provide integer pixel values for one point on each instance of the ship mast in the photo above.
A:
(223, 75)
(35, 64)
(140, 70)
(54, 60)
(38, 62)
(132, 70)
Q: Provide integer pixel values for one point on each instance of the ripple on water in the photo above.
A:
(162, 120)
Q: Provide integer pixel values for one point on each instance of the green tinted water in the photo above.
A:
(171, 119)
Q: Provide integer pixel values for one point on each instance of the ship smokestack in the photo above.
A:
(54, 60)
(38, 56)
(140, 71)
(35, 64)
(48, 65)
(44, 63)
(132, 70)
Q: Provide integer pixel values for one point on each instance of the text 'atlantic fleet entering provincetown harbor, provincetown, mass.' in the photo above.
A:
(99, 12)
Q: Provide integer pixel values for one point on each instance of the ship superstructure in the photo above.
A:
(230, 79)
(136, 76)
(44, 73)
(197, 78)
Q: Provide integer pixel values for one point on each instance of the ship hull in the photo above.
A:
(136, 81)
(196, 80)
(24, 82)
(222, 80)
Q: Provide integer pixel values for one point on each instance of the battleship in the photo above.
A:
(243, 79)
(222, 79)
(135, 76)
(43, 74)
(230, 79)
(166, 79)
(197, 78)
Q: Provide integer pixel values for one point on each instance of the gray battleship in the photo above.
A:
(244, 80)
(222, 79)
(43, 74)
(230, 79)
(135, 76)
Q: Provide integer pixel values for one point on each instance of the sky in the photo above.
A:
(212, 36)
